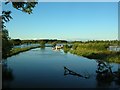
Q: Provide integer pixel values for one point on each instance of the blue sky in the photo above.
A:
(66, 20)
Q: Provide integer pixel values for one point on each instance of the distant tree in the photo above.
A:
(42, 42)
(54, 43)
(16, 41)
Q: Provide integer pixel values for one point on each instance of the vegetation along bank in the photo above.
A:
(95, 50)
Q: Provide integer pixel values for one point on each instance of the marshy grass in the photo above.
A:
(94, 51)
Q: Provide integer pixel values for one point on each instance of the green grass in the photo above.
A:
(19, 50)
(95, 51)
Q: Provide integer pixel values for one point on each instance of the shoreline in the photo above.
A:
(93, 52)
(101, 56)
(16, 51)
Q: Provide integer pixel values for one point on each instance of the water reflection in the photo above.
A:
(104, 72)
(70, 72)
(42, 47)
(43, 67)
(7, 74)
(117, 80)
(105, 75)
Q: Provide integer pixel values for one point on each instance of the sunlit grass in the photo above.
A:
(15, 51)
(95, 51)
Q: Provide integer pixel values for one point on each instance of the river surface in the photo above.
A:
(44, 68)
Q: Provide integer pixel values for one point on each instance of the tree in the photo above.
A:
(16, 41)
(6, 43)
(26, 7)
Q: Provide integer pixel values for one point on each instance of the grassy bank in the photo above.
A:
(94, 51)
(16, 51)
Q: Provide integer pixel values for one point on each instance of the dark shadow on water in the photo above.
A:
(70, 72)
(105, 76)
(7, 75)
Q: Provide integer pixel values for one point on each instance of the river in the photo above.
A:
(46, 68)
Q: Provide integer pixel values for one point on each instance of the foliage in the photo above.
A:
(26, 7)
(6, 17)
(15, 51)
(66, 48)
(16, 41)
(95, 50)
(48, 41)
(6, 43)
(54, 44)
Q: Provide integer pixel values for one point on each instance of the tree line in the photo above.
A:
(41, 41)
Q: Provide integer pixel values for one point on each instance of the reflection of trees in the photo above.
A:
(42, 47)
(66, 48)
(105, 75)
(42, 43)
(117, 77)
(7, 74)
(70, 72)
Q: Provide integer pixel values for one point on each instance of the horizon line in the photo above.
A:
(72, 40)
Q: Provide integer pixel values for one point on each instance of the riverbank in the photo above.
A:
(16, 51)
(94, 51)
(101, 55)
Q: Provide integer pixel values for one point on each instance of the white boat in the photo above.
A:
(56, 48)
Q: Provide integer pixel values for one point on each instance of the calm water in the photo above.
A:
(33, 45)
(26, 45)
(44, 68)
